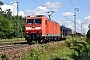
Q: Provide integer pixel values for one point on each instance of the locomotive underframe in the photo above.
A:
(39, 38)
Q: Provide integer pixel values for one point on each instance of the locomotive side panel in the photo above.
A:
(59, 29)
(50, 28)
(53, 28)
(43, 26)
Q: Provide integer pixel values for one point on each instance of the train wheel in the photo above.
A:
(55, 39)
(29, 41)
(39, 41)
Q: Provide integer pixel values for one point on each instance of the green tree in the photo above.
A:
(19, 22)
(21, 25)
(7, 14)
(1, 3)
(88, 35)
(8, 20)
(89, 26)
(6, 28)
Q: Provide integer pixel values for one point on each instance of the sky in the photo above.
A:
(63, 11)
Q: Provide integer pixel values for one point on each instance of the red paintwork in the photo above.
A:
(47, 27)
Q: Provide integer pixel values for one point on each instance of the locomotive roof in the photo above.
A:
(46, 17)
(52, 20)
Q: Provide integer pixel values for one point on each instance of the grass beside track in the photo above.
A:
(11, 40)
(55, 50)
(62, 50)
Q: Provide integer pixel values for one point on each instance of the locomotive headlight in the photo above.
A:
(28, 28)
(43, 35)
(26, 32)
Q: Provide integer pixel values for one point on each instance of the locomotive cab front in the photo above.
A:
(33, 28)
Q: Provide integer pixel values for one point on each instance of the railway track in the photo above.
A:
(12, 46)
(15, 50)
(6, 46)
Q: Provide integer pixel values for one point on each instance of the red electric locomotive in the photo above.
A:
(41, 29)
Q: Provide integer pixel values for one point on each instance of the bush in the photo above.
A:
(4, 57)
(81, 48)
(34, 55)
(88, 34)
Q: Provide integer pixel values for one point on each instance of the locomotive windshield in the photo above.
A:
(34, 21)
(37, 21)
(30, 21)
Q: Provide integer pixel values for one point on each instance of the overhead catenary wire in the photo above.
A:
(72, 3)
(75, 9)
(68, 18)
(37, 2)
